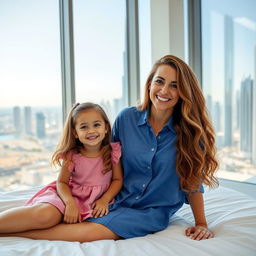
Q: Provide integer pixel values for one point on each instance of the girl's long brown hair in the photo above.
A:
(68, 142)
(196, 161)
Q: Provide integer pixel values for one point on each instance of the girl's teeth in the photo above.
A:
(92, 138)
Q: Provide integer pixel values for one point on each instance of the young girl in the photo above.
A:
(89, 179)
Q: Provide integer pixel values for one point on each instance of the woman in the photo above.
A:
(168, 151)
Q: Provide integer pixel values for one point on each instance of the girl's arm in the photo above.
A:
(72, 213)
(200, 231)
(100, 206)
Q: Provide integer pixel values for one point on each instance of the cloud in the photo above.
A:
(246, 22)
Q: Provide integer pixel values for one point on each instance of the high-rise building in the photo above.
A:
(40, 125)
(228, 79)
(122, 102)
(246, 117)
(17, 120)
(28, 120)
(209, 104)
(237, 122)
(254, 113)
(216, 116)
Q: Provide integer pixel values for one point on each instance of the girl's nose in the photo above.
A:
(91, 130)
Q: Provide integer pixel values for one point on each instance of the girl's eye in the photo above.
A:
(97, 125)
(83, 127)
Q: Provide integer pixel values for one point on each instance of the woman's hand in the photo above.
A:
(72, 213)
(100, 208)
(199, 233)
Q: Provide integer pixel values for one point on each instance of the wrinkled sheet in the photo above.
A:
(230, 214)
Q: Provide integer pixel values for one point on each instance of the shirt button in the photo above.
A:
(159, 137)
(137, 197)
(152, 149)
(144, 185)
(149, 167)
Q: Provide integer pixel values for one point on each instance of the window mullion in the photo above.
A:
(67, 55)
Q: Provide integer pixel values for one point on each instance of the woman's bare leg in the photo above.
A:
(24, 218)
(79, 232)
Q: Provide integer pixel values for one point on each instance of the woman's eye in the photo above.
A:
(173, 85)
(159, 81)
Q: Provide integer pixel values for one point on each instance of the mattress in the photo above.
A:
(230, 214)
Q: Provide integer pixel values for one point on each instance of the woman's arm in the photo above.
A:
(100, 206)
(200, 231)
(72, 213)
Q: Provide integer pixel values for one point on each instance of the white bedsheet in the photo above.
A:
(230, 214)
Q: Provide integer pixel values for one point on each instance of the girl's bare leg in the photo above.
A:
(79, 232)
(24, 218)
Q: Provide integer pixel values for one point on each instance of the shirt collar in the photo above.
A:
(170, 125)
(143, 119)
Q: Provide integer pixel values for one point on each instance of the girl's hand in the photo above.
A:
(72, 214)
(100, 208)
(199, 232)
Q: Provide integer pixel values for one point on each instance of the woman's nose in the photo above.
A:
(165, 89)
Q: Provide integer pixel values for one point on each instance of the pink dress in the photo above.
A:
(87, 183)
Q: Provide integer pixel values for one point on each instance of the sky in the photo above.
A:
(30, 70)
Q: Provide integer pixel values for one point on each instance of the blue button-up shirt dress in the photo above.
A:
(151, 191)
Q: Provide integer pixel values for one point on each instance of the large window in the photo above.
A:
(100, 56)
(229, 71)
(30, 101)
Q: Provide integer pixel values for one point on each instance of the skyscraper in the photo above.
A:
(237, 122)
(216, 116)
(246, 117)
(209, 104)
(28, 120)
(17, 120)
(254, 113)
(228, 79)
(40, 125)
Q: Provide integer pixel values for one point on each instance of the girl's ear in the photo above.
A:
(74, 133)
(107, 128)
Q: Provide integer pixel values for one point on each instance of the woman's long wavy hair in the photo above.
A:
(196, 161)
(68, 142)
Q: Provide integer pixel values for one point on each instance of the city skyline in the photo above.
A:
(30, 73)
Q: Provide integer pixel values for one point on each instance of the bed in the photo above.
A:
(230, 214)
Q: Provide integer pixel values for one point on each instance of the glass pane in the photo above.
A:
(229, 55)
(30, 101)
(99, 34)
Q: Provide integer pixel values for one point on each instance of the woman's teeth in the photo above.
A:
(162, 99)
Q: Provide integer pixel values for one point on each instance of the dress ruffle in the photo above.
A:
(116, 152)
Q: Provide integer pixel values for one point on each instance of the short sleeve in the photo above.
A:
(68, 157)
(115, 130)
(201, 190)
(116, 152)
